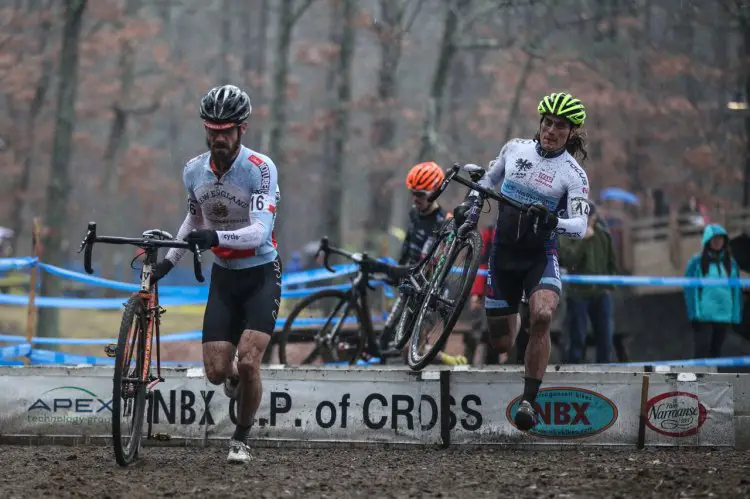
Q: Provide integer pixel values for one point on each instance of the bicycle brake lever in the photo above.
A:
(85, 240)
(325, 263)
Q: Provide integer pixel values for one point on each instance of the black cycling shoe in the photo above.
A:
(526, 417)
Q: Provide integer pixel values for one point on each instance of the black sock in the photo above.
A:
(241, 432)
(530, 389)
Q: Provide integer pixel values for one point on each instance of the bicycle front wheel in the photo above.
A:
(129, 389)
(323, 327)
(445, 298)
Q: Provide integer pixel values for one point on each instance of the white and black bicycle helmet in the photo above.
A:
(225, 105)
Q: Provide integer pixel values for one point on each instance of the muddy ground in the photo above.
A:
(90, 471)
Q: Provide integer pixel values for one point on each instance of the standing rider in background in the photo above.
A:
(424, 220)
(232, 200)
(543, 174)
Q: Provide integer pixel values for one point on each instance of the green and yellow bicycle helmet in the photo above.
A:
(565, 105)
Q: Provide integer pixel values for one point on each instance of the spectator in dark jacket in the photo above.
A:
(712, 310)
(593, 255)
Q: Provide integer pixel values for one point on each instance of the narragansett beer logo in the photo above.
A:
(676, 414)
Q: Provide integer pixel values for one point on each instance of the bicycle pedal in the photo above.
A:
(110, 350)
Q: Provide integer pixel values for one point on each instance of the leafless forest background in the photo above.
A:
(98, 103)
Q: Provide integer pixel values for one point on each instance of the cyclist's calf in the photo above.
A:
(542, 305)
(217, 361)
(502, 331)
(251, 348)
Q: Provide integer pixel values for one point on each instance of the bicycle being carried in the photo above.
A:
(135, 375)
(337, 323)
(434, 304)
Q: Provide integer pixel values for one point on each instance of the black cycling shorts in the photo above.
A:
(506, 284)
(240, 299)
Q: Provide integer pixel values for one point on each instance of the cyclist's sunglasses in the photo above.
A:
(419, 194)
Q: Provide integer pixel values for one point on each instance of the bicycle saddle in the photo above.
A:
(157, 234)
(476, 172)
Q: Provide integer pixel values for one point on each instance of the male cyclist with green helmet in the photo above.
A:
(543, 174)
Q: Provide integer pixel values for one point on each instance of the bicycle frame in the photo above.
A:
(358, 294)
(150, 242)
(150, 295)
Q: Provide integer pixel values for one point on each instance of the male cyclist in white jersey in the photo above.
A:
(543, 174)
(232, 199)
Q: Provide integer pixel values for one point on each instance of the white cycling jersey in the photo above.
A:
(527, 174)
(239, 205)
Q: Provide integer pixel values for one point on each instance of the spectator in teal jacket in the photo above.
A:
(712, 310)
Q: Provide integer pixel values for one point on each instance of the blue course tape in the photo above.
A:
(90, 303)
(7, 264)
(715, 362)
(169, 300)
(13, 351)
(49, 357)
(627, 280)
(184, 291)
(167, 338)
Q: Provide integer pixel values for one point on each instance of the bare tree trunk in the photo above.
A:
(331, 94)
(21, 189)
(59, 185)
(225, 73)
(515, 106)
(341, 122)
(288, 16)
(254, 60)
(434, 107)
(384, 125)
(117, 142)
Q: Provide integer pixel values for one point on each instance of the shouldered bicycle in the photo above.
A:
(434, 305)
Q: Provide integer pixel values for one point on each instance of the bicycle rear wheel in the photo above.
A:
(129, 391)
(320, 329)
(445, 298)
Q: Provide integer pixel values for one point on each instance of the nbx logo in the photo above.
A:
(559, 413)
(92, 404)
(182, 411)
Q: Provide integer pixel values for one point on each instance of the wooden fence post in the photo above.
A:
(36, 244)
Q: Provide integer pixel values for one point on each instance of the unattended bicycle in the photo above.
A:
(454, 261)
(134, 375)
(339, 322)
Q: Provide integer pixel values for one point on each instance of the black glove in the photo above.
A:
(543, 218)
(160, 270)
(204, 238)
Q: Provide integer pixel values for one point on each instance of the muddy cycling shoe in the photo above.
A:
(526, 417)
(239, 452)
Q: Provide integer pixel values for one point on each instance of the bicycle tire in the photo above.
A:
(411, 306)
(401, 336)
(134, 316)
(474, 242)
(344, 301)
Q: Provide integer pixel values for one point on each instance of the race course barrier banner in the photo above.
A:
(395, 406)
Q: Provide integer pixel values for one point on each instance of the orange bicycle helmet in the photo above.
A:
(425, 176)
